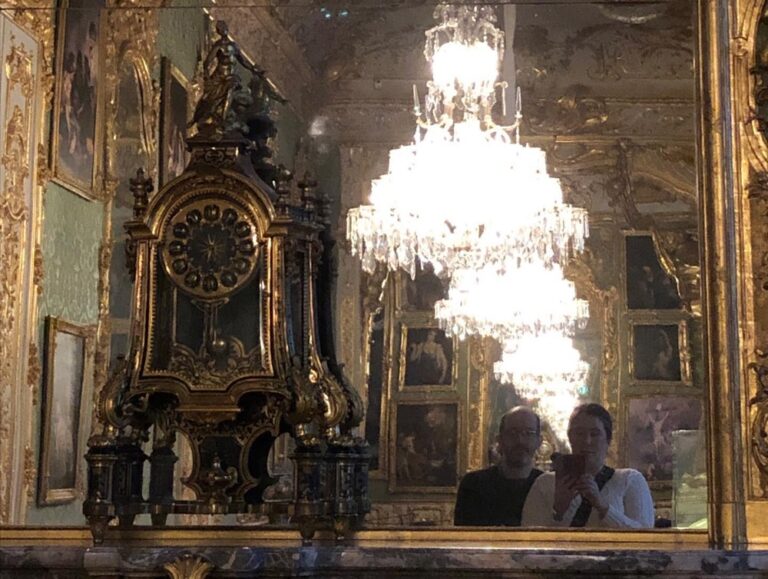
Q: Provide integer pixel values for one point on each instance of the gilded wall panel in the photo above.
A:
(750, 74)
(20, 118)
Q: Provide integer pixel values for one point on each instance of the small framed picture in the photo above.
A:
(426, 359)
(653, 425)
(659, 352)
(67, 368)
(424, 447)
(173, 122)
(76, 135)
(649, 286)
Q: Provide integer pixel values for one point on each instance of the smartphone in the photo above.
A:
(572, 465)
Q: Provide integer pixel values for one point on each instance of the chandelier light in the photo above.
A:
(547, 370)
(465, 192)
(468, 198)
(521, 302)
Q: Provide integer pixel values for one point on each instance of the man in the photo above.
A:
(496, 495)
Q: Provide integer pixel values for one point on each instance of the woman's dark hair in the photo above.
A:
(597, 411)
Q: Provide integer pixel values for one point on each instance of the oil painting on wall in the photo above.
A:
(656, 352)
(76, 117)
(67, 366)
(421, 293)
(426, 436)
(651, 426)
(427, 357)
(648, 285)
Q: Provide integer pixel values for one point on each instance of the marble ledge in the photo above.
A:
(374, 562)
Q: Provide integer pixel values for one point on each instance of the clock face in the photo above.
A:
(210, 248)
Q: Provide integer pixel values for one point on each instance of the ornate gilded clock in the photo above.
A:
(226, 348)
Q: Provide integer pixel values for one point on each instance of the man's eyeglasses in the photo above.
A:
(521, 433)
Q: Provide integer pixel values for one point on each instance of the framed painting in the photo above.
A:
(76, 135)
(425, 450)
(659, 352)
(67, 367)
(173, 122)
(426, 359)
(652, 445)
(649, 286)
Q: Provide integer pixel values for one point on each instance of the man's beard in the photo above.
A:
(516, 459)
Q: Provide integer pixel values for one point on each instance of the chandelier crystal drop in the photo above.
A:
(546, 369)
(535, 363)
(527, 301)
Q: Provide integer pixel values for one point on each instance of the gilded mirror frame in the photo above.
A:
(725, 400)
(728, 149)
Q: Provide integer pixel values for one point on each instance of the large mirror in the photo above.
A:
(607, 93)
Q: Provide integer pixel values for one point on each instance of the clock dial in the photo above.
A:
(210, 248)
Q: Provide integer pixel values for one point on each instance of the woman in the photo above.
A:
(601, 497)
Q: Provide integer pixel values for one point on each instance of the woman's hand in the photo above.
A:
(564, 493)
(586, 486)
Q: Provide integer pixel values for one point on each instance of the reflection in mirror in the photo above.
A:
(130, 149)
(607, 92)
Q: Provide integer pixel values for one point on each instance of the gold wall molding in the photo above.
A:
(34, 372)
(482, 353)
(603, 310)
(750, 167)
(21, 117)
(30, 473)
(726, 280)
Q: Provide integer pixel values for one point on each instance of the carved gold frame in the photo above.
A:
(729, 149)
(53, 327)
(92, 190)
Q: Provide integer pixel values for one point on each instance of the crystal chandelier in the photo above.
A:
(548, 371)
(465, 192)
(510, 306)
(468, 198)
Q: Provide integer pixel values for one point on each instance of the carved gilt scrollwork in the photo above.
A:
(30, 472)
(189, 567)
(36, 16)
(759, 426)
(34, 372)
(603, 307)
(567, 115)
(18, 205)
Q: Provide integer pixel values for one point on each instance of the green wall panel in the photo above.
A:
(72, 229)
